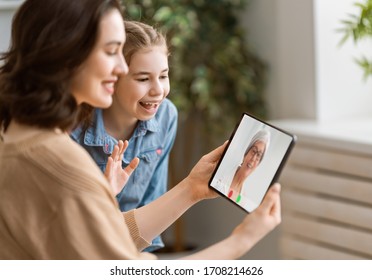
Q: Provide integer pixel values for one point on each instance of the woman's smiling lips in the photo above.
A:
(109, 86)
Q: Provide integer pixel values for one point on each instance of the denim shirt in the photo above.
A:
(151, 142)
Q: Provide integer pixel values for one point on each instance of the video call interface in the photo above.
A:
(251, 162)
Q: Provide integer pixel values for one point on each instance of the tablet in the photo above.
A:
(251, 162)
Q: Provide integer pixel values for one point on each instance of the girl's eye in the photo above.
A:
(142, 79)
(164, 77)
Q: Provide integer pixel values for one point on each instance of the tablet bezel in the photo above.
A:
(278, 170)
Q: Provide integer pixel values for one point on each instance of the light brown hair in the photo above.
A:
(141, 36)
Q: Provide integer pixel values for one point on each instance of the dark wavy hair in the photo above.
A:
(50, 39)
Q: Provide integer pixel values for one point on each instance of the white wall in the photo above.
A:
(7, 9)
(310, 76)
(341, 92)
(281, 33)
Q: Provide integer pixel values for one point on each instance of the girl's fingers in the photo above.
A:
(123, 145)
(108, 170)
(115, 153)
(132, 166)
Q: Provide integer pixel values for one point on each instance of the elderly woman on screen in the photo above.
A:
(252, 158)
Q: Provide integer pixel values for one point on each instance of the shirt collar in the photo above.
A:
(151, 125)
(96, 134)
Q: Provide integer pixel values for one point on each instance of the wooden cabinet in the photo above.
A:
(327, 192)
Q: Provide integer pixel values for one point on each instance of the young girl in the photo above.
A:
(55, 203)
(141, 113)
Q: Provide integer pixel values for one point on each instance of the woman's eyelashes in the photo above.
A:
(112, 51)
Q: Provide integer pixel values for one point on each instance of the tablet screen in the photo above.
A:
(251, 162)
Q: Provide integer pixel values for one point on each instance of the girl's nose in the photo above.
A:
(156, 88)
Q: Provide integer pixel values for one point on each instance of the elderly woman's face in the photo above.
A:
(253, 158)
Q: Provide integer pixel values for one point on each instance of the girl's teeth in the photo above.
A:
(149, 105)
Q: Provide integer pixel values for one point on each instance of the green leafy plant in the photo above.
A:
(357, 28)
(213, 72)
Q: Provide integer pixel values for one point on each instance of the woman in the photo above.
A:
(55, 203)
(140, 113)
(252, 158)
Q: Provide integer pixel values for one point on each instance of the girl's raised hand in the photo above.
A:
(115, 174)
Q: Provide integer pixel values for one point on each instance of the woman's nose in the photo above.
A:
(122, 66)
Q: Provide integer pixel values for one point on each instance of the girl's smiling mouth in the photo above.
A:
(149, 105)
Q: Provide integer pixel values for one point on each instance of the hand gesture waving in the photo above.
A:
(115, 174)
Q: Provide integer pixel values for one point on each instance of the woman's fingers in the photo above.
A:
(216, 154)
(271, 201)
(276, 209)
